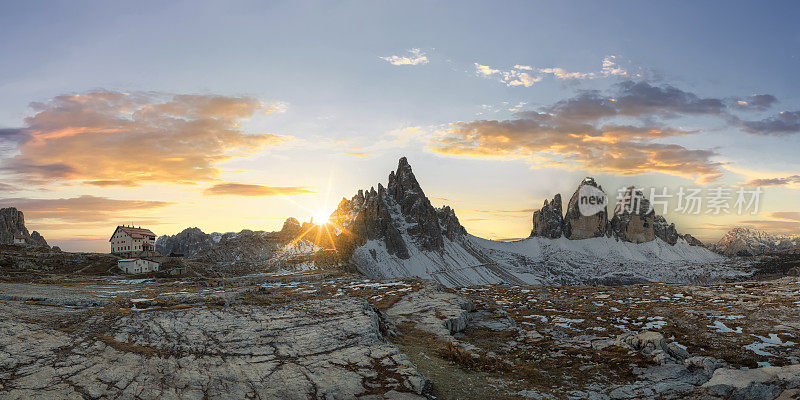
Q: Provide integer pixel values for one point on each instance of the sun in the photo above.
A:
(321, 218)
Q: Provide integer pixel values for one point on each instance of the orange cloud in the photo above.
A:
(625, 150)
(111, 138)
(81, 210)
(358, 154)
(243, 189)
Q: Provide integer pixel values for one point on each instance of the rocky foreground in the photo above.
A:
(335, 335)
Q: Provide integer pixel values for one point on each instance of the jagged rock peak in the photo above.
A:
(667, 232)
(401, 208)
(633, 219)
(578, 226)
(12, 222)
(452, 229)
(549, 221)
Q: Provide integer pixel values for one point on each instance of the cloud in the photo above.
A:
(244, 189)
(785, 215)
(112, 182)
(444, 199)
(83, 209)
(486, 70)
(278, 107)
(636, 99)
(415, 57)
(4, 187)
(517, 78)
(772, 226)
(526, 76)
(576, 133)
(785, 123)
(759, 102)
(789, 180)
(501, 212)
(624, 150)
(358, 154)
(113, 138)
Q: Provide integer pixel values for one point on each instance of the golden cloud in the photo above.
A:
(244, 189)
(82, 210)
(111, 138)
(549, 140)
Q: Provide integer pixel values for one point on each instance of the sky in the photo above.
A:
(237, 115)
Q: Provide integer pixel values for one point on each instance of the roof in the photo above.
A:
(136, 233)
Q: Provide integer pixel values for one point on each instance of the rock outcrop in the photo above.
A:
(578, 226)
(693, 241)
(386, 215)
(549, 221)
(633, 218)
(188, 242)
(12, 222)
(665, 231)
(291, 227)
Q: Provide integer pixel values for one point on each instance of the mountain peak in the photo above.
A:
(12, 222)
(396, 214)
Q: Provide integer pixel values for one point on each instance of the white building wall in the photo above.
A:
(138, 266)
(122, 242)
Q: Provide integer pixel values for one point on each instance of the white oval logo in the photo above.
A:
(591, 200)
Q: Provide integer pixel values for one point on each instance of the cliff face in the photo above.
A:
(548, 221)
(633, 219)
(12, 222)
(578, 226)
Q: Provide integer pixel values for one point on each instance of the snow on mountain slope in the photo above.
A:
(395, 232)
(476, 261)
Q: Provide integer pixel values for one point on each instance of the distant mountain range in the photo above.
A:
(395, 231)
(751, 242)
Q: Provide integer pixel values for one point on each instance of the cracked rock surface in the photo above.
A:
(302, 348)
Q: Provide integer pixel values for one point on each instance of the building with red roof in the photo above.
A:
(129, 240)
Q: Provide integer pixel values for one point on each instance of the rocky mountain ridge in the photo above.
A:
(12, 222)
(294, 244)
(742, 241)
